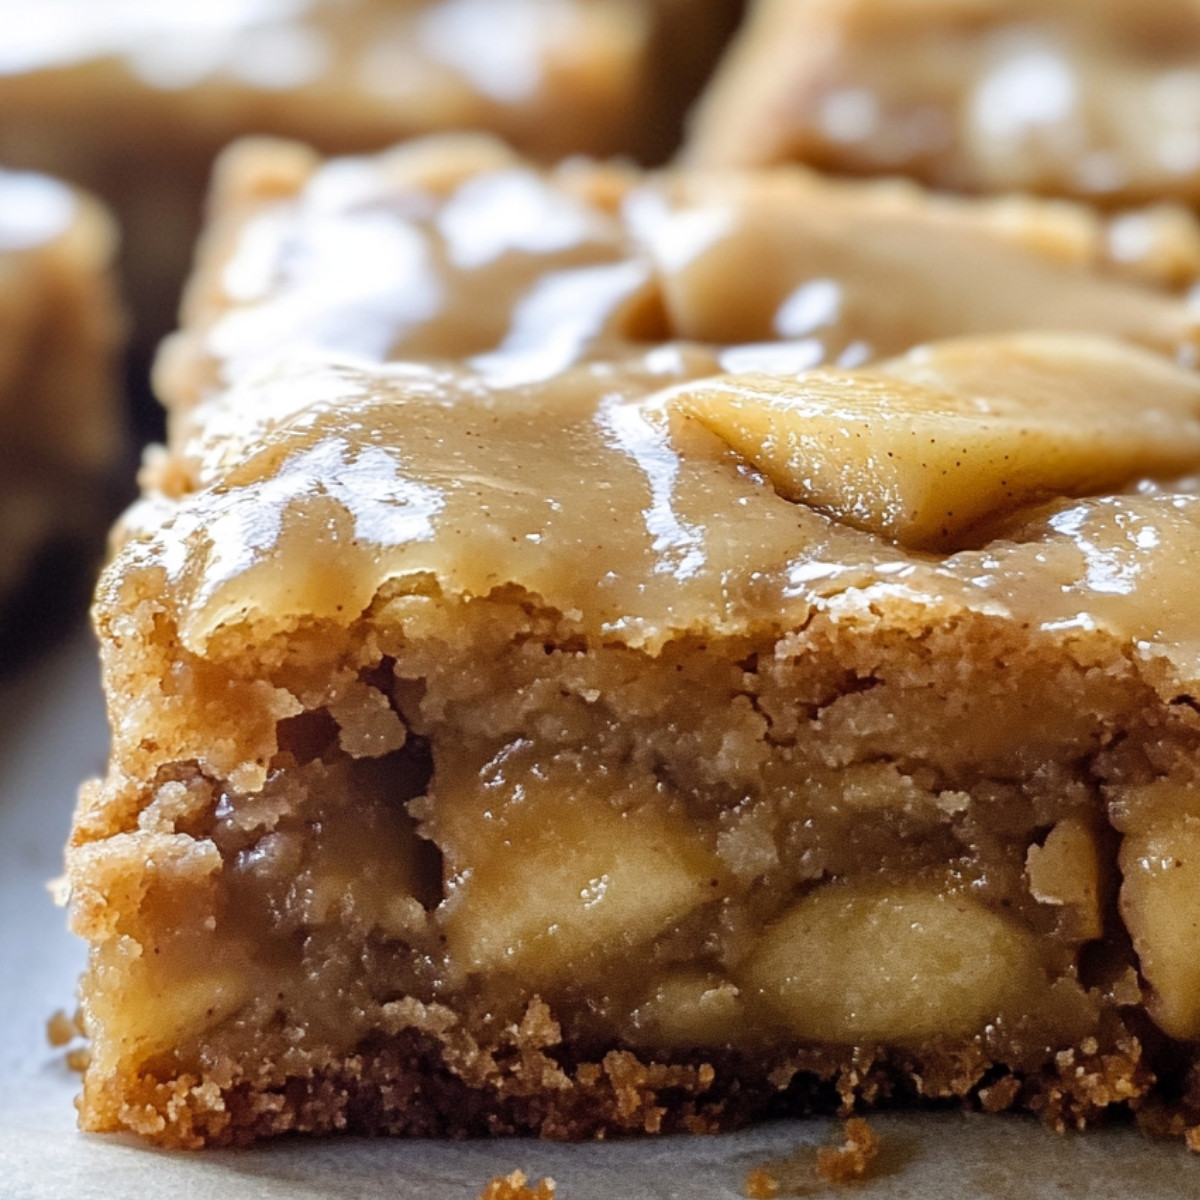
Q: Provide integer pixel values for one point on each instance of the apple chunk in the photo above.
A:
(853, 963)
(566, 866)
(691, 1008)
(925, 448)
(1160, 903)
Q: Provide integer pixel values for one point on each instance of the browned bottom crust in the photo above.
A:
(529, 1083)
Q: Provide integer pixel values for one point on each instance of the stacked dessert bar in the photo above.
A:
(135, 100)
(611, 652)
(1098, 99)
(60, 330)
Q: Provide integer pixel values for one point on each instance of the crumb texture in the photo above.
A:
(516, 1187)
(853, 1158)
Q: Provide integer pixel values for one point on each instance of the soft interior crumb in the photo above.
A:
(852, 1159)
(514, 1187)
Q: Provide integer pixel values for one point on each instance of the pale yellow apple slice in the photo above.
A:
(1160, 903)
(560, 875)
(854, 962)
(926, 448)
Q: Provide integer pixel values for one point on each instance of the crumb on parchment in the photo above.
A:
(760, 1185)
(514, 1187)
(848, 1163)
(79, 1058)
(61, 1029)
(852, 1159)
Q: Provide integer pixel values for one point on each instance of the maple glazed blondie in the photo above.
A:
(60, 331)
(660, 696)
(1087, 98)
(135, 101)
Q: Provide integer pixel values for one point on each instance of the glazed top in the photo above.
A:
(1095, 98)
(600, 495)
(601, 389)
(454, 248)
(395, 49)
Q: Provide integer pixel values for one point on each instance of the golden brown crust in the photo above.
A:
(401, 1086)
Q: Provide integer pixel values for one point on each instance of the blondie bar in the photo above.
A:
(60, 332)
(134, 101)
(1085, 98)
(455, 248)
(624, 722)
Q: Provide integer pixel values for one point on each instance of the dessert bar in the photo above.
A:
(647, 712)
(60, 432)
(455, 248)
(134, 101)
(1086, 98)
